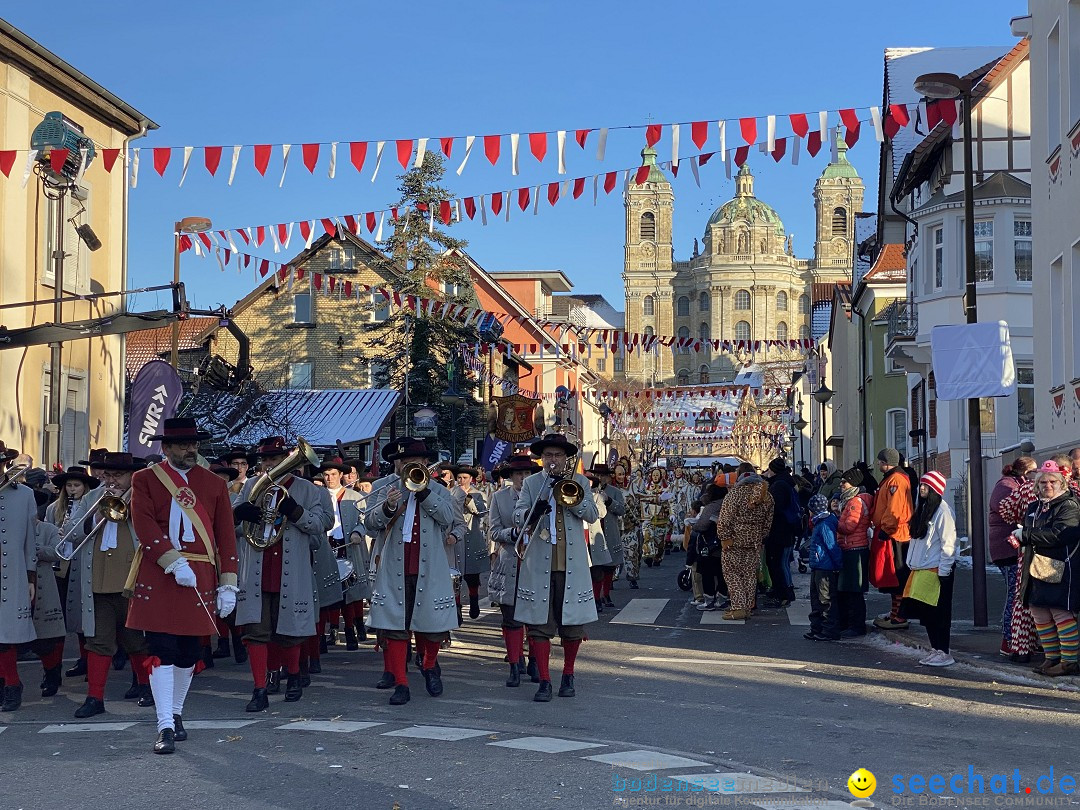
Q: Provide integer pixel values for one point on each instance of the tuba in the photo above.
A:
(267, 494)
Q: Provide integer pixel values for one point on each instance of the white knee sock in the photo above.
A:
(161, 684)
(181, 684)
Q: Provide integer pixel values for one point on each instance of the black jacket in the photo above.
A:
(785, 507)
(1052, 531)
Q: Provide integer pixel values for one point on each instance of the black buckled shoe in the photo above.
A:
(351, 643)
(543, 694)
(400, 697)
(433, 682)
(50, 684)
(133, 690)
(259, 701)
(599, 605)
(179, 732)
(608, 602)
(90, 707)
(273, 682)
(166, 742)
(566, 687)
(633, 584)
(533, 671)
(515, 675)
(386, 681)
(293, 690)
(361, 630)
(78, 670)
(146, 695)
(12, 698)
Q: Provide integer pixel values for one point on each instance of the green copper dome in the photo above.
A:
(842, 167)
(648, 158)
(746, 206)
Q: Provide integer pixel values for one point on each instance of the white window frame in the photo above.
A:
(76, 254)
(981, 276)
(900, 443)
(310, 307)
(748, 330)
(1022, 239)
(296, 370)
(1025, 387)
(937, 257)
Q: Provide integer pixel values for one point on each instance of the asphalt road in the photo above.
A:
(771, 719)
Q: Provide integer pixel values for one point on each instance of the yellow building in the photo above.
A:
(745, 284)
(34, 82)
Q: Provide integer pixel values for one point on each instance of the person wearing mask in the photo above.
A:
(888, 550)
(852, 529)
(745, 519)
(931, 555)
(1050, 585)
(786, 523)
(826, 560)
(1002, 552)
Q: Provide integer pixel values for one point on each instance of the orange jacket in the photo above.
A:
(892, 505)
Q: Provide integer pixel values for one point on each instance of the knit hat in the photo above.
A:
(853, 476)
(818, 504)
(777, 465)
(934, 480)
(890, 456)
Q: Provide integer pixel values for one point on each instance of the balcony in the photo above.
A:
(903, 319)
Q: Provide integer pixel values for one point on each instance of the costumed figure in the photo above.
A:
(655, 503)
(629, 522)
(471, 557)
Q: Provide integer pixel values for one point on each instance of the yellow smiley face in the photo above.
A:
(862, 783)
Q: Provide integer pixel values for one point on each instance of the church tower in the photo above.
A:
(648, 271)
(838, 197)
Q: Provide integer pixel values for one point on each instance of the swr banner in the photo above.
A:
(155, 396)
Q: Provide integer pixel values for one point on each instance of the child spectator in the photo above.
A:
(826, 560)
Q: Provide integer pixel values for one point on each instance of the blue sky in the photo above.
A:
(285, 72)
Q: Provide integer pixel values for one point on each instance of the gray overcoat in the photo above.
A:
(18, 544)
(598, 549)
(298, 608)
(534, 576)
(503, 579)
(48, 613)
(612, 533)
(435, 608)
(471, 556)
(351, 508)
(74, 520)
(80, 594)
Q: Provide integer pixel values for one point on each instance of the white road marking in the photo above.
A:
(718, 662)
(65, 728)
(208, 725)
(640, 611)
(739, 783)
(642, 760)
(717, 617)
(546, 745)
(3, 729)
(798, 617)
(336, 726)
(448, 733)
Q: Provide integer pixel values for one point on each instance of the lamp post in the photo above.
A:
(949, 85)
(799, 425)
(823, 395)
(186, 225)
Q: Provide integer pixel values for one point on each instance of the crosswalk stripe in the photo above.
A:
(640, 611)
(335, 726)
(798, 616)
(211, 725)
(546, 745)
(67, 728)
(720, 662)
(739, 784)
(445, 733)
(717, 617)
(643, 760)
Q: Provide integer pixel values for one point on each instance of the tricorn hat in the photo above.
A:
(335, 463)
(181, 429)
(408, 447)
(600, 469)
(7, 453)
(124, 462)
(273, 446)
(466, 469)
(235, 453)
(96, 455)
(556, 440)
(75, 474)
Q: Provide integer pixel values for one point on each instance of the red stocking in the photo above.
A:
(9, 667)
(570, 651)
(290, 659)
(394, 660)
(54, 657)
(257, 658)
(273, 657)
(430, 649)
(541, 653)
(515, 640)
(140, 668)
(97, 670)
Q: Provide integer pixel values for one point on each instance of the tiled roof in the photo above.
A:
(324, 417)
(820, 317)
(865, 228)
(146, 345)
(890, 265)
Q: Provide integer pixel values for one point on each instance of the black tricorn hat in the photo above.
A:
(75, 474)
(180, 429)
(556, 440)
(408, 447)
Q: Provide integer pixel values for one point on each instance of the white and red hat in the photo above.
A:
(935, 480)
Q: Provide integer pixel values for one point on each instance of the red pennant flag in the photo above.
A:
(470, 207)
(579, 186)
(748, 126)
(329, 226)
(404, 152)
(333, 282)
(283, 273)
(849, 118)
(609, 182)
(538, 145)
(652, 133)
(444, 211)
(262, 157)
(348, 289)
(703, 159)
(799, 124)
(228, 256)
(553, 193)
(161, 159)
(260, 235)
(580, 136)
(305, 229)
(282, 233)
(900, 113)
(699, 133)
(813, 142)
(357, 154)
(741, 154)
(852, 135)
(496, 202)
(369, 220)
(185, 243)
(108, 158)
(205, 239)
(244, 236)
(311, 155)
(779, 149)
(264, 267)
(393, 213)
(317, 280)
(212, 158)
(351, 224)
(7, 160)
(642, 174)
(492, 144)
(948, 110)
(447, 144)
(523, 198)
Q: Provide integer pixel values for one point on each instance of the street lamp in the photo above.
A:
(186, 225)
(949, 85)
(823, 394)
(799, 425)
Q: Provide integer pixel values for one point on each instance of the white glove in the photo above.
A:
(185, 577)
(226, 600)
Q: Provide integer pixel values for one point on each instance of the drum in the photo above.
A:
(346, 572)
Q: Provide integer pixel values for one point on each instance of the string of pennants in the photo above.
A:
(706, 414)
(509, 387)
(676, 394)
(411, 151)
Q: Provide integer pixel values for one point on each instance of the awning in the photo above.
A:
(324, 418)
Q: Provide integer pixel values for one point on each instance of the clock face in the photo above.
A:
(647, 249)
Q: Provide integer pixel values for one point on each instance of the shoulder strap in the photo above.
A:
(189, 513)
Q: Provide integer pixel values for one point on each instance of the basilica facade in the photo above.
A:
(743, 283)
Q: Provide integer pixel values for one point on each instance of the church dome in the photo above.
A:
(842, 168)
(746, 206)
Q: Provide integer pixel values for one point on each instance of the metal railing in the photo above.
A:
(903, 319)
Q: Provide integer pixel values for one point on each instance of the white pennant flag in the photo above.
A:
(483, 211)
(823, 124)
(875, 117)
(674, 146)
(536, 200)
(235, 158)
(285, 149)
(333, 160)
(187, 160)
(601, 145)
(595, 184)
(834, 149)
(31, 159)
(469, 141)
(694, 171)
(727, 166)
(560, 140)
(795, 145)
(134, 168)
(508, 206)
(83, 164)
(311, 234)
(232, 244)
(514, 139)
(723, 139)
(378, 231)
(457, 210)
(770, 132)
(421, 150)
(273, 238)
(378, 159)
(288, 235)
(431, 219)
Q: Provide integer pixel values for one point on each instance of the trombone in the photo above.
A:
(14, 476)
(567, 493)
(112, 508)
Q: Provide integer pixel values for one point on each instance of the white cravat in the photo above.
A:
(335, 531)
(176, 523)
(108, 536)
(410, 517)
(551, 517)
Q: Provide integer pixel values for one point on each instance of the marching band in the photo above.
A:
(156, 559)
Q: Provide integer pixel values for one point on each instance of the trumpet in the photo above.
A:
(415, 477)
(567, 493)
(112, 508)
(268, 494)
(14, 476)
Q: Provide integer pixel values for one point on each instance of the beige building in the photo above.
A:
(34, 82)
(745, 283)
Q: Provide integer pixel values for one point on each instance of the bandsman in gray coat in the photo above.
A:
(348, 539)
(502, 583)
(278, 599)
(48, 611)
(554, 591)
(614, 503)
(473, 554)
(598, 550)
(413, 590)
(18, 566)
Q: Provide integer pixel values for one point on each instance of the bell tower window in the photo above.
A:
(648, 226)
(647, 306)
(839, 222)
